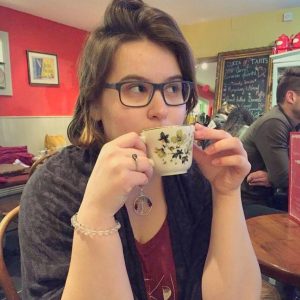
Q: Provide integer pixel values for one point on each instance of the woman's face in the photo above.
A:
(296, 107)
(146, 61)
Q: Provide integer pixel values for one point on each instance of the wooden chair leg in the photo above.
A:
(5, 280)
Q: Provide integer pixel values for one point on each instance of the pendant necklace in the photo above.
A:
(142, 205)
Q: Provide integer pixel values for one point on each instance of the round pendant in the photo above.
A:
(142, 205)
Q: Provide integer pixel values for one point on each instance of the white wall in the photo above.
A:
(31, 131)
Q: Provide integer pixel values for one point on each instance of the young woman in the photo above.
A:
(193, 243)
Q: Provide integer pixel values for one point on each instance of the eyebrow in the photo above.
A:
(141, 78)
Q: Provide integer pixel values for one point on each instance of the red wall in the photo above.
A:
(27, 32)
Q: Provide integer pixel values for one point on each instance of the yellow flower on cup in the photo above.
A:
(179, 138)
(160, 152)
(174, 148)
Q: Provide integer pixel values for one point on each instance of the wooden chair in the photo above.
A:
(6, 282)
(40, 161)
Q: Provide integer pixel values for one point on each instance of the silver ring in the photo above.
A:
(134, 157)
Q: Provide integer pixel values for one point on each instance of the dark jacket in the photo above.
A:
(267, 144)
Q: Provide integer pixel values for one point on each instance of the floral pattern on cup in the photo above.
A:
(174, 149)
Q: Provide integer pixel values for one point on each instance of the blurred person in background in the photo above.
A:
(238, 121)
(219, 119)
(267, 145)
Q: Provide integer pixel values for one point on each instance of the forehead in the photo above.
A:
(145, 59)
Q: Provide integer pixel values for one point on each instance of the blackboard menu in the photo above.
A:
(244, 80)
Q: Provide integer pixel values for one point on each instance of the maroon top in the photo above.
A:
(158, 266)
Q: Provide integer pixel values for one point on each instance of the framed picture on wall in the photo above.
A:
(42, 68)
(5, 70)
(244, 79)
(2, 76)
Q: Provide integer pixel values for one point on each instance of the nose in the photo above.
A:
(158, 109)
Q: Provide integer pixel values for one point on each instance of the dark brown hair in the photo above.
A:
(238, 118)
(124, 21)
(290, 80)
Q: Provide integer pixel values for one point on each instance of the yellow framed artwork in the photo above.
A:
(42, 68)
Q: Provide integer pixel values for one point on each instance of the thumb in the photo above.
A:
(249, 178)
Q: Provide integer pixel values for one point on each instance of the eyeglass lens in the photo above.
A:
(140, 93)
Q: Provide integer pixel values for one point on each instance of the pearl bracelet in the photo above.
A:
(92, 232)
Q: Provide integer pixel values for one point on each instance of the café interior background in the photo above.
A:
(31, 111)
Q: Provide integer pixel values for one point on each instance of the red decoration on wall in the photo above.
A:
(205, 92)
(295, 41)
(29, 32)
(282, 44)
(285, 43)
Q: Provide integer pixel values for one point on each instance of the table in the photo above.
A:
(276, 242)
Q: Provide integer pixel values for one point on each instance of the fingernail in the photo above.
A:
(209, 150)
(216, 161)
(199, 126)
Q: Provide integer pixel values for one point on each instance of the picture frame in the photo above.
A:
(244, 78)
(6, 88)
(42, 68)
(1, 52)
(2, 76)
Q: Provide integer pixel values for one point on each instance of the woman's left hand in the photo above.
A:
(259, 178)
(224, 162)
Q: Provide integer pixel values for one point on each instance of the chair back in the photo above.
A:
(40, 161)
(5, 280)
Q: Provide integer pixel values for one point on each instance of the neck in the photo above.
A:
(289, 112)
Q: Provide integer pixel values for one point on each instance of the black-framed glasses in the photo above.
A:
(140, 93)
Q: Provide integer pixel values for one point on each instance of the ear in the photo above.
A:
(96, 111)
(290, 96)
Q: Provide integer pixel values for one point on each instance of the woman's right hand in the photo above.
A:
(116, 173)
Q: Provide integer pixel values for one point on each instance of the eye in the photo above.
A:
(173, 87)
(136, 87)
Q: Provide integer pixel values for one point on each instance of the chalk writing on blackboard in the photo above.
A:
(244, 81)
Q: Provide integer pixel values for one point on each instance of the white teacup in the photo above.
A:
(170, 148)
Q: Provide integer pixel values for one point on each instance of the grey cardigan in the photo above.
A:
(54, 193)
